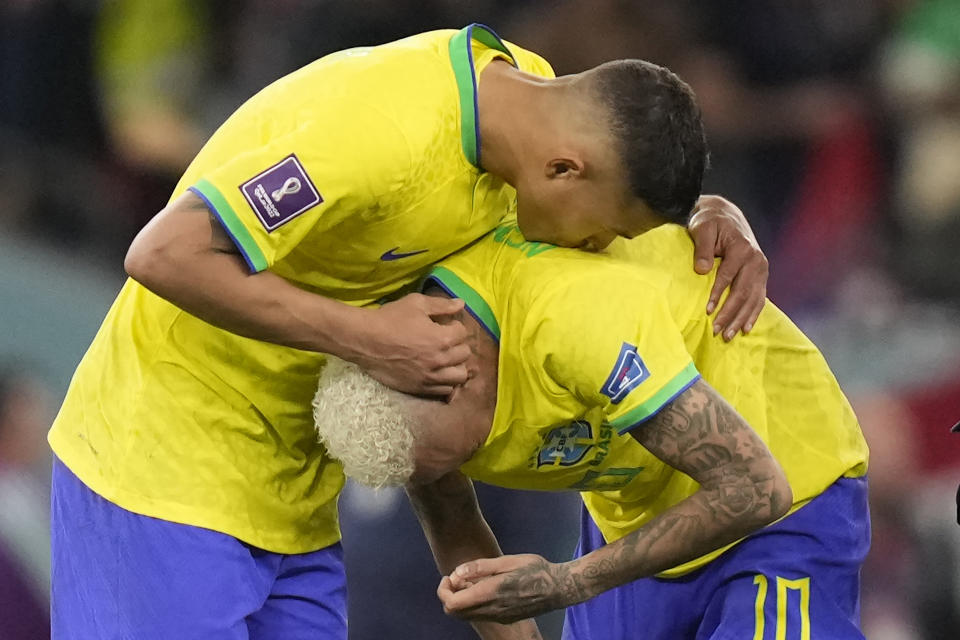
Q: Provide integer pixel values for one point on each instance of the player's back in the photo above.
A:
(774, 376)
(593, 345)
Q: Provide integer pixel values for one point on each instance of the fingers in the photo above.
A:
(734, 321)
(449, 366)
(438, 307)
(725, 275)
(459, 583)
(473, 602)
(445, 590)
(745, 301)
(439, 390)
(447, 594)
(449, 376)
(452, 335)
(482, 568)
(705, 234)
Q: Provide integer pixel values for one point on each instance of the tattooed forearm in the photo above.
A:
(542, 586)
(742, 488)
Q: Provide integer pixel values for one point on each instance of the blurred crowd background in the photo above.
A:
(834, 124)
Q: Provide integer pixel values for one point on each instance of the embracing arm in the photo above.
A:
(742, 488)
(453, 525)
(185, 256)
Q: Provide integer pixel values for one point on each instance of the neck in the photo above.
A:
(513, 113)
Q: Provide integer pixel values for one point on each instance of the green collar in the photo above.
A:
(461, 56)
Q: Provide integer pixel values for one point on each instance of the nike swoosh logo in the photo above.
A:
(393, 255)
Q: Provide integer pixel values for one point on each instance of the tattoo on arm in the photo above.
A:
(219, 240)
(742, 488)
(701, 435)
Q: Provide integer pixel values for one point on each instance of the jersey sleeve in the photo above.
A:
(609, 339)
(277, 184)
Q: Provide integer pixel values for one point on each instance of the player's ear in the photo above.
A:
(565, 168)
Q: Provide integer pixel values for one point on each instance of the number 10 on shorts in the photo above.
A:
(783, 586)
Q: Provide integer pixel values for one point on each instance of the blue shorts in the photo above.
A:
(794, 580)
(119, 575)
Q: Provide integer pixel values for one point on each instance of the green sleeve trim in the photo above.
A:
(476, 305)
(232, 224)
(461, 57)
(638, 415)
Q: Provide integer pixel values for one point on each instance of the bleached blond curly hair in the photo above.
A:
(361, 423)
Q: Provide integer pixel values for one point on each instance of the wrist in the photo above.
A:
(578, 585)
(591, 577)
(348, 335)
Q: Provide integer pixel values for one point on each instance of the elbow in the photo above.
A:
(781, 495)
(135, 263)
(146, 262)
(141, 265)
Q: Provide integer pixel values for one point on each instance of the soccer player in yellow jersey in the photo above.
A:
(190, 497)
(598, 373)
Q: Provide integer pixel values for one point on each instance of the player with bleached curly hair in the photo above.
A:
(723, 483)
(185, 442)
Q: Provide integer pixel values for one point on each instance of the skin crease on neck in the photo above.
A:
(448, 433)
(544, 137)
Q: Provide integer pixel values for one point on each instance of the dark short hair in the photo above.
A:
(656, 125)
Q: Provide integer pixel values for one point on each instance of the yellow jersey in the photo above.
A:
(593, 345)
(348, 178)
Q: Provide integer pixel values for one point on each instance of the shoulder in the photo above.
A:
(567, 278)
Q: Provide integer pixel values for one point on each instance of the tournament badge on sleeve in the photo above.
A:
(281, 193)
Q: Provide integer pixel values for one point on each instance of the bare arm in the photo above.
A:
(185, 256)
(450, 516)
(742, 488)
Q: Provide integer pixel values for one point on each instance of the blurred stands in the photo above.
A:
(834, 125)
(26, 409)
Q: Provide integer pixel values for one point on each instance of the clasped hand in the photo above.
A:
(509, 588)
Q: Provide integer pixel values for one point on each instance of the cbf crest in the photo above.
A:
(566, 445)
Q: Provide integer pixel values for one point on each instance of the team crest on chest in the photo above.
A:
(628, 372)
(567, 445)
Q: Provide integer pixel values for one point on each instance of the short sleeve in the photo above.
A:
(272, 180)
(609, 339)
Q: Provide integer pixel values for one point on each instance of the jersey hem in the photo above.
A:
(182, 514)
(231, 223)
(638, 415)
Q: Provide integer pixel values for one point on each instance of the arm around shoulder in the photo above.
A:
(185, 256)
